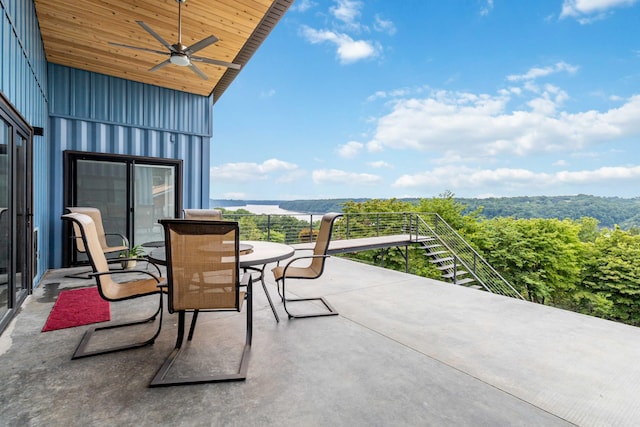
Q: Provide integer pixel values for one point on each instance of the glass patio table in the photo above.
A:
(254, 256)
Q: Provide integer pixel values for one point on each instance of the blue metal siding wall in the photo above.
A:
(97, 113)
(96, 97)
(23, 79)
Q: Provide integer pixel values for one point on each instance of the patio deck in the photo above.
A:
(404, 351)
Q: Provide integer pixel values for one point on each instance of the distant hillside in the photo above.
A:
(609, 211)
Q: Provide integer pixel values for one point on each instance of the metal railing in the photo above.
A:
(302, 228)
(465, 256)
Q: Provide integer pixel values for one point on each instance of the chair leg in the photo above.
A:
(159, 380)
(331, 312)
(81, 349)
(260, 272)
(193, 325)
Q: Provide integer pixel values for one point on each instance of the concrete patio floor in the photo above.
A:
(404, 351)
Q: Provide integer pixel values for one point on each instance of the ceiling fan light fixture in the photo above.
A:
(180, 59)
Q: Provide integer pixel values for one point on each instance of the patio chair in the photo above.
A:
(202, 275)
(203, 214)
(96, 216)
(311, 271)
(113, 291)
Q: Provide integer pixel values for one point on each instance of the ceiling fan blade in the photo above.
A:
(201, 44)
(198, 71)
(156, 36)
(160, 65)
(144, 49)
(216, 62)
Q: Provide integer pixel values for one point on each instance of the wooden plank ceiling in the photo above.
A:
(77, 34)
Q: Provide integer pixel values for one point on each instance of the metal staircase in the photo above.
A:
(445, 261)
(459, 262)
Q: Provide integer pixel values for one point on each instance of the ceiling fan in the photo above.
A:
(180, 54)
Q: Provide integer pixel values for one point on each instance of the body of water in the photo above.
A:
(263, 209)
(273, 210)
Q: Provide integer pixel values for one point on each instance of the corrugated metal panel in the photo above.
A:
(23, 81)
(68, 133)
(90, 96)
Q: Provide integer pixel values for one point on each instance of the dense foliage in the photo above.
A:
(572, 263)
(609, 211)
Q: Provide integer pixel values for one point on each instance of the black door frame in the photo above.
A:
(17, 292)
(70, 157)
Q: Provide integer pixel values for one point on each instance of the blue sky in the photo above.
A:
(411, 98)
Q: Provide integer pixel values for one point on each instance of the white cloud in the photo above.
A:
(384, 25)
(335, 176)
(587, 11)
(302, 5)
(397, 93)
(268, 94)
(342, 30)
(348, 49)
(346, 11)
(379, 164)
(483, 125)
(462, 178)
(536, 72)
(350, 149)
(247, 172)
(486, 9)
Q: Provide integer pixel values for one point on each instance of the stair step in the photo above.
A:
(439, 260)
(457, 274)
(445, 267)
(432, 246)
(437, 253)
(464, 281)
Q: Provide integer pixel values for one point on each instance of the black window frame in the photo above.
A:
(70, 157)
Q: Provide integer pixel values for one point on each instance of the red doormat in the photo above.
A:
(77, 307)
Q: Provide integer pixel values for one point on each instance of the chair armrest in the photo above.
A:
(124, 238)
(144, 258)
(284, 272)
(246, 280)
(148, 273)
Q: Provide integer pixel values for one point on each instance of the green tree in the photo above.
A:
(539, 257)
(610, 285)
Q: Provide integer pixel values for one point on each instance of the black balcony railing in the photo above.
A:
(303, 228)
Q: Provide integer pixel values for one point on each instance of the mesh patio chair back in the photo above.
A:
(322, 244)
(203, 214)
(202, 264)
(96, 216)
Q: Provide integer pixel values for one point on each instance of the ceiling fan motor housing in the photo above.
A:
(180, 59)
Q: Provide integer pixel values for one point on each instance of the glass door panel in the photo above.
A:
(22, 232)
(103, 185)
(154, 197)
(5, 242)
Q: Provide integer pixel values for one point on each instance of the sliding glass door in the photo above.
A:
(131, 192)
(15, 211)
(5, 196)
